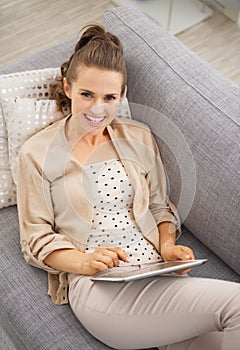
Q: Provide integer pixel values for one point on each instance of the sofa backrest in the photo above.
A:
(194, 111)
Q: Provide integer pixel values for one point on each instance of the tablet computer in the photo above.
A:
(132, 273)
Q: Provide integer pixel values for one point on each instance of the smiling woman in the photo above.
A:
(92, 85)
(92, 196)
(95, 96)
(109, 57)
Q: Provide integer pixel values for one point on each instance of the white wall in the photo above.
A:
(230, 8)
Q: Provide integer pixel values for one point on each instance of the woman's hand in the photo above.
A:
(103, 258)
(74, 261)
(177, 252)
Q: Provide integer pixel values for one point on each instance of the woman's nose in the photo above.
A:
(98, 107)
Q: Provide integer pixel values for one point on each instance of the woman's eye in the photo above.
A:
(110, 98)
(86, 94)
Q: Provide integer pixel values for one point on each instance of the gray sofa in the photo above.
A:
(187, 100)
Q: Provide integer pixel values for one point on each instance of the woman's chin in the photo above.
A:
(96, 129)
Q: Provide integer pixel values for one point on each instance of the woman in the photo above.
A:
(96, 199)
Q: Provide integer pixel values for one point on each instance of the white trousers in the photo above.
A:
(172, 313)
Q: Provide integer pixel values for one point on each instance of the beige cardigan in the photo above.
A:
(54, 195)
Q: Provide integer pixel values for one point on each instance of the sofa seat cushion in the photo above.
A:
(27, 312)
(28, 316)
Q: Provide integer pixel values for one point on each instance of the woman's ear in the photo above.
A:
(67, 88)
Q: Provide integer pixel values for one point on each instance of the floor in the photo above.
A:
(216, 40)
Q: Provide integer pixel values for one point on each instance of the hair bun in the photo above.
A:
(96, 32)
(90, 32)
(101, 37)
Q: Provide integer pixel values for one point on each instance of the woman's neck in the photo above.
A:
(75, 133)
(96, 139)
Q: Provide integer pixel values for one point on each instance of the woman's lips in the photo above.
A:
(93, 120)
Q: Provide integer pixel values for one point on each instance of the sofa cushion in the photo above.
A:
(7, 186)
(29, 317)
(204, 108)
(24, 117)
(30, 84)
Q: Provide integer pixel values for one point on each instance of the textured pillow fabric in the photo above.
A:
(31, 84)
(124, 109)
(24, 117)
(7, 186)
(204, 106)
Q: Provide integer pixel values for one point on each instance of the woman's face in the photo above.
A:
(95, 97)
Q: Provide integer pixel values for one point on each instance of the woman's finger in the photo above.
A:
(121, 254)
(185, 253)
(98, 265)
(105, 256)
(183, 272)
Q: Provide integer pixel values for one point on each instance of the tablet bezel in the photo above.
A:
(147, 271)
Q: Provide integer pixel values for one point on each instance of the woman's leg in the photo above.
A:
(187, 312)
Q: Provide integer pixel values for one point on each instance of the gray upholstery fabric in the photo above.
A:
(205, 108)
(181, 89)
(215, 267)
(29, 317)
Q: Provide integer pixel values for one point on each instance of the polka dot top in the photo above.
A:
(113, 221)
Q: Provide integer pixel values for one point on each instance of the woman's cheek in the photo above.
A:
(78, 106)
(112, 109)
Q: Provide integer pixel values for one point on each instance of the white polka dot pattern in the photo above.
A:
(24, 117)
(113, 222)
(7, 189)
(28, 84)
(124, 110)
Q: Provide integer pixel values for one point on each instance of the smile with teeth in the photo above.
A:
(95, 120)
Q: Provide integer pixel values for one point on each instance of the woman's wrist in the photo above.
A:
(67, 260)
(166, 246)
(167, 236)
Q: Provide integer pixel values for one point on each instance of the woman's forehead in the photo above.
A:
(91, 78)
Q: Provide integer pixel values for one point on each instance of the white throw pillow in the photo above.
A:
(24, 117)
(31, 84)
(7, 186)
(124, 110)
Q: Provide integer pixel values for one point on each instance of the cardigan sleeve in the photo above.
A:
(159, 203)
(35, 210)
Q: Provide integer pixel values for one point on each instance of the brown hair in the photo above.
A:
(95, 48)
